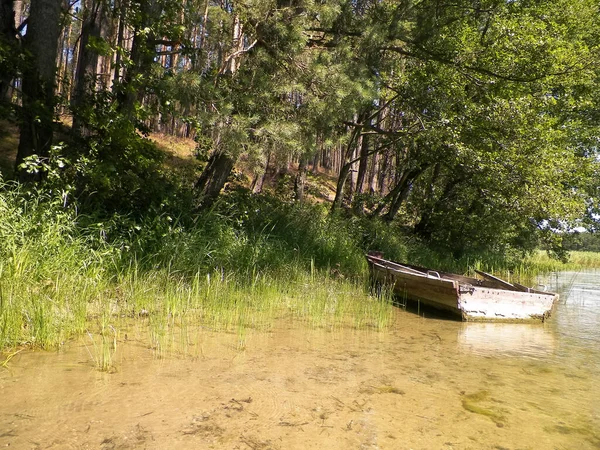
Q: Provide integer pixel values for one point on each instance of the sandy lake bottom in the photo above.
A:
(426, 383)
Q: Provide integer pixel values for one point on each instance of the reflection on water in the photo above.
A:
(572, 333)
(528, 340)
(424, 384)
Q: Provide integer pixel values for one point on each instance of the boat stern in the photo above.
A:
(500, 305)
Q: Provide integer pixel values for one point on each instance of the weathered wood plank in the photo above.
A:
(501, 283)
(488, 299)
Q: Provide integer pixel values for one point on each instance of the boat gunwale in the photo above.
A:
(463, 281)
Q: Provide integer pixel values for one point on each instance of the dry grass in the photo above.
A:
(178, 150)
(180, 154)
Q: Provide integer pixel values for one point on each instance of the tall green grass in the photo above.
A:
(246, 264)
(62, 275)
(518, 267)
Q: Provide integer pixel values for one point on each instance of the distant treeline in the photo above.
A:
(582, 241)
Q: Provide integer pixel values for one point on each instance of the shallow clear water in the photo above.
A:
(428, 383)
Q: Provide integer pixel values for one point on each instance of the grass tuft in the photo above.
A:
(244, 265)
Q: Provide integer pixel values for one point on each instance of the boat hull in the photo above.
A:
(497, 304)
(469, 298)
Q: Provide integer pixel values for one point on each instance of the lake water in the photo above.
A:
(428, 383)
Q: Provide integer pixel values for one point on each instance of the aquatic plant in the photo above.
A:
(473, 403)
(242, 265)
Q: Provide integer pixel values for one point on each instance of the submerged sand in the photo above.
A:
(424, 384)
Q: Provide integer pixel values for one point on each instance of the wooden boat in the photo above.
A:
(486, 299)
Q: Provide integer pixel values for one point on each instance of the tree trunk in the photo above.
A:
(122, 9)
(362, 165)
(63, 88)
(352, 178)
(339, 190)
(8, 38)
(401, 192)
(373, 173)
(204, 23)
(87, 63)
(260, 179)
(213, 178)
(383, 169)
(344, 171)
(108, 32)
(315, 161)
(41, 41)
(362, 171)
(142, 55)
(300, 180)
(424, 227)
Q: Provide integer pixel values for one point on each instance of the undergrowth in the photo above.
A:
(64, 275)
(248, 262)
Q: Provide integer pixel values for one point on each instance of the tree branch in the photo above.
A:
(481, 70)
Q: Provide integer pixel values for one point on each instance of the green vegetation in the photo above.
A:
(458, 135)
(60, 279)
(473, 125)
(472, 403)
(245, 264)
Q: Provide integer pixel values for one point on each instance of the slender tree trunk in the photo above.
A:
(339, 191)
(8, 37)
(315, 162)
(373, 174)
(63, 70)
(397, 195)
(400, 192)
(122, 10)
(204, 23)
(300, 180)
(142, 56)
(41, 41)
(326, 159)
(108, 33)
(13, 94)
(362, 171)
(424, 227)
(260, 180)
(363, 164)
(383, 169)
(353, 171)
(344, 171)
(87, 64)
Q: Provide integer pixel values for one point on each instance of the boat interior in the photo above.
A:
(487, 280)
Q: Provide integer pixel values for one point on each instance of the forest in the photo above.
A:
(456, 131)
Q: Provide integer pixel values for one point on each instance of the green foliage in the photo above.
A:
(246, 233)
(61, 276)
(486, 112)
(582, 241)
(501, 168)
(115, 168)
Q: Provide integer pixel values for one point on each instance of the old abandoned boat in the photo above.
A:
(486, 299)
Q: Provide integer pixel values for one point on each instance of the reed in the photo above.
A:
(521, 268)
(527, 270)
(64, 276)
(46, 311)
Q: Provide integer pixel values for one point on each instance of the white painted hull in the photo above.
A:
(499, 304)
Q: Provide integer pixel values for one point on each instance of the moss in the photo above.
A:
(471, 403)
(588, 431)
